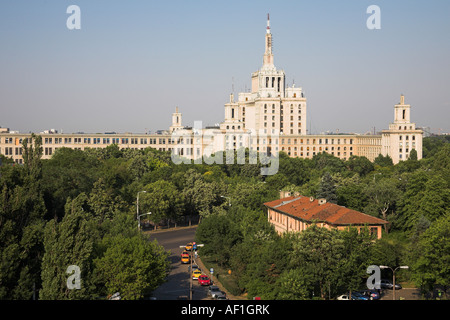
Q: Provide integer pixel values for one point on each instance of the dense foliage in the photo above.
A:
(79, 208)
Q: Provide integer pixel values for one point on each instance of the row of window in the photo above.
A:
(404, 128)
(307, 154)
(9, 140)
(281, 118)
(413, 138)
(104, 140)
(10, 151)
(320, 141)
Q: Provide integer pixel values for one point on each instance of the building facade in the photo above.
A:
(296, 213)
(271, 118)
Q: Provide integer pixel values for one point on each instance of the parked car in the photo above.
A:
(358, 296)
(204, 280)
(213, 291)
(371, 294)
(221, 295)
(343, 297)
(386, 284)
(196, 273)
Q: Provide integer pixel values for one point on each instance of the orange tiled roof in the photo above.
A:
(310, 209)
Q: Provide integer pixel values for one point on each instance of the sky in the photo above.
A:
(133, 62)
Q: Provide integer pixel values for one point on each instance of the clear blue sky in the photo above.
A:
(133, 62)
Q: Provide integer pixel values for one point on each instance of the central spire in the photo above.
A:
(268, 56)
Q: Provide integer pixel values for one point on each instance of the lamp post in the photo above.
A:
(137, 208)
(393, 276)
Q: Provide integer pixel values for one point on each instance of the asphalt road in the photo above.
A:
(178, 281)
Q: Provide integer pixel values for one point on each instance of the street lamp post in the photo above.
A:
(393, 276)
(137, 209)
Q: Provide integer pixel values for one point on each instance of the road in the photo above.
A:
(178, 281)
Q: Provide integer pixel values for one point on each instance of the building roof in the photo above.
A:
(310, 209)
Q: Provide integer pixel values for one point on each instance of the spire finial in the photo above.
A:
(268, 24)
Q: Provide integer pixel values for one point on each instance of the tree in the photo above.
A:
(318, 252)
(103, 203)
(163, 200)
(133, 266)
(67, 174)
(219, 234)
(360, 165)
(351, 193)
(294, 284)
(413, 155)
(384, 161)
(382, 196)
(32, 156)
(201, 196)
(22, 210)
(327, 189)
(68, 243)
(433, 251)
(426, 195)
(355, 259)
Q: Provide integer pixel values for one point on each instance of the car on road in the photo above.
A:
(358, 296)
(188, 247)
(204, 280)
(194, 266)
(185, 257)
(343, 297)
(372, 294)
(196, 273)
(221, 295)
(213, 291)
(386, 284)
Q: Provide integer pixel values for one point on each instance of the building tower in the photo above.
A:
(176, 121)
(402, 136)
(269, 107)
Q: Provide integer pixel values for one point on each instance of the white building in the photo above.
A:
(269, 119)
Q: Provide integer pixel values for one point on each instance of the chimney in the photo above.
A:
(284, 194)
(322, 201)
(311, 199)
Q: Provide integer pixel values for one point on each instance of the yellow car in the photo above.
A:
(196, 273)
(185, 257)
(188, 247)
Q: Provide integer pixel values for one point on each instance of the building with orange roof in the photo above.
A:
(295, 213)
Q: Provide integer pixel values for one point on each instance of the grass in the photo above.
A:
(221, 273)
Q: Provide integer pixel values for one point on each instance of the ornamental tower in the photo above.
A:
(402, 136)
